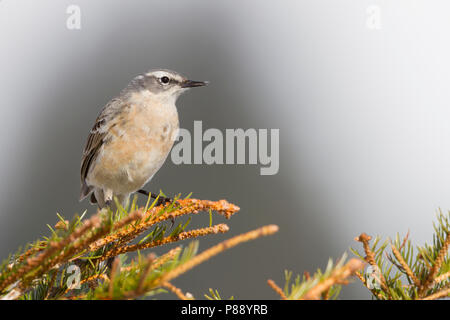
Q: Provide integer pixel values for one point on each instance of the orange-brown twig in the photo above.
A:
(176, 291)
(436, 266)
(165, 257)
(81, 244)
(207, 254)
(370, 258)
(338, 276)
(35, 249)
(151, 217)
(89, 231)
(277, 289)
(114, 269)
(148, 268)
(405, 266)
(53, 248)
(101, 230)
(442, 277)
(220, 228)
(440, 294)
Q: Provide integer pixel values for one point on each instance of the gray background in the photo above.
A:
(363, 117)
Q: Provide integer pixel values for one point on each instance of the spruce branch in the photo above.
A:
(227, 244)
(220, 228)
(176, 291)
(371, 259)
(436, 264)
(45, 269)
(277, 289)
(338, 276)
(214, 295)
(321, 285)
(438, 295)
(426, 273)
(405, 266)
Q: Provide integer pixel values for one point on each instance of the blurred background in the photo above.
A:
(363, 114)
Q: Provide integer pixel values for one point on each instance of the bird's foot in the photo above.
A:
(161, 199)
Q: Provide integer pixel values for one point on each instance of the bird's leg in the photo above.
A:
(161, 199)
(108, 197)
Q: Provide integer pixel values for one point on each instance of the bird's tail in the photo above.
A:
(85, 190)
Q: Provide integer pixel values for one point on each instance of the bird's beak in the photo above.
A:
(192, 84)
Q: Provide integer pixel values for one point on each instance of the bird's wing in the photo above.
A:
(96, 139)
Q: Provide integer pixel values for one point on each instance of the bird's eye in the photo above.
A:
(164, 80)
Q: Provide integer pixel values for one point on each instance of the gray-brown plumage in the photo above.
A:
(132, 137)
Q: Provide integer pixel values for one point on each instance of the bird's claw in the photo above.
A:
(160, 199)
(163, 200)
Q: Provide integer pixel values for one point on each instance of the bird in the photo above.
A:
(132, 137)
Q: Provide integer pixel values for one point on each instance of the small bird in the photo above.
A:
(132, 137)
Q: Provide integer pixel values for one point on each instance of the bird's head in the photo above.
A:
(163, 84)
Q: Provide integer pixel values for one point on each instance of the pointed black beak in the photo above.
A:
(192, 84)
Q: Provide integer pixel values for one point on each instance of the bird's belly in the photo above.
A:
(129, 160)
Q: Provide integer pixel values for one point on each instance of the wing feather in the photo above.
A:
(96, 139)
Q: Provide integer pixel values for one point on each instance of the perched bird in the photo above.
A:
(132, 137)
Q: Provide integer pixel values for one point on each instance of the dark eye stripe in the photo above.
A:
(165, 80)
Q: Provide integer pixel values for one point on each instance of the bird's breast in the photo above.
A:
(138, 144)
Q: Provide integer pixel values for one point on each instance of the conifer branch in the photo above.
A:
(277, 289)
(338, 276)
(427, 272)
(227, 244)
(405, 266)
(321, 285)
(176, 291)
(42, 270)
(96, 250)
(220, 228)
(436, 266)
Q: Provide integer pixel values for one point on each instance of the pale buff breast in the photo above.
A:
(138, 144)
